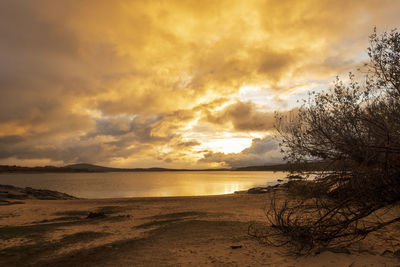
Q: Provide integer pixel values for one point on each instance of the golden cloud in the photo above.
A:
(148, 82)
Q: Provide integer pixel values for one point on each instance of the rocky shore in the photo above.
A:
(8, 193)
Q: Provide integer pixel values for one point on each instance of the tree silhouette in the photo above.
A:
(355, 127)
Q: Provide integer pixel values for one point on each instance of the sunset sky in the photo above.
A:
(177, 84)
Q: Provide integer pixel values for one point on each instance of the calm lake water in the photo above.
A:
(143, 184)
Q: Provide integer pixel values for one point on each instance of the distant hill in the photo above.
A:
(311, 166)
(85, 167)
(278, 167)
(90, 167)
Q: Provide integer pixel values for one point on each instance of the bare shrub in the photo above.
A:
(306, 225)
(355, 128)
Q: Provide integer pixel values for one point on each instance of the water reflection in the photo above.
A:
(230, 188)
(144, 184)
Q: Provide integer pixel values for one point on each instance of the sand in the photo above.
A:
(167, 231)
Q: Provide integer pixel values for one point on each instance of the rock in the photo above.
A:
(236, 247)
(265, 189)
(13, 192)
(258, 190)
(294, 177)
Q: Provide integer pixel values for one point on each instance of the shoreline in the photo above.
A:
(161, 231)
(145, 184)
(9, 193)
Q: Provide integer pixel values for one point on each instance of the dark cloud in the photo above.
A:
(138, 128)
(11, 139)
(244, 116)
(188, 144)
(70, 150)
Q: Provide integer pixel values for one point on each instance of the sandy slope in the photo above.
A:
(175, 231)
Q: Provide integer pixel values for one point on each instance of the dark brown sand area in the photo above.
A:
(168, 231)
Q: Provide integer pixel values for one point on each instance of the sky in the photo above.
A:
(175, 84)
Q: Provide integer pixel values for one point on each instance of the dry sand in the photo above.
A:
(168, 231)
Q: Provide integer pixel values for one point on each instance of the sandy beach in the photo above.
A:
(168, 231)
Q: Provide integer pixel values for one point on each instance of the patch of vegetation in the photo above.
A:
(182, 235)
(9, 232)
(8, 203)
(40, 229)
(179, 215)
(152, 224)
(72, 213)
(111, 209)
(84, 236)
(60, 219)
(28, 254)
(100, 213)
(168, 218)
(96, 215)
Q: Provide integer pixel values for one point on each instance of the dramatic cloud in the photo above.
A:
(261, 152)
(158, 83)
(244, 116)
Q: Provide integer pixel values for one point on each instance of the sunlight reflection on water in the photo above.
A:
(230, 188)
(144, 184)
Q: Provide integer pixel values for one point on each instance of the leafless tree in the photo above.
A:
(354, 126)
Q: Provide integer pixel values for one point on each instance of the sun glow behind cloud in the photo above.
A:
(227, 145)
